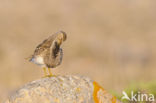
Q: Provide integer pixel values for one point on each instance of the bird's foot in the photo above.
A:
(45, 76)
(48, 75)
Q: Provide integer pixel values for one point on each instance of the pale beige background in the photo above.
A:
(110, 41)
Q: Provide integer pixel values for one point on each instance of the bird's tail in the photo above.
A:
(28, 58)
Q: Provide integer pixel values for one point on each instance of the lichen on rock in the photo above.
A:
(61, 89)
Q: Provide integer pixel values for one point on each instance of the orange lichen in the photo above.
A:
(113, 99)
(78, 90)
(99, 94)
(96, 90)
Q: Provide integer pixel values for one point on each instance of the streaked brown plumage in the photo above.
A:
(48, 54)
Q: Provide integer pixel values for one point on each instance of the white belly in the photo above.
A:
(38, 60)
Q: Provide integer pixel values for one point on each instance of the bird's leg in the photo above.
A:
(45, 72)
(50, 73)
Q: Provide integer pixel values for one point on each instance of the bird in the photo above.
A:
(49, 53)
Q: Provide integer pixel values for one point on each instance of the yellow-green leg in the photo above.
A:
(50, 73)
(45, 72)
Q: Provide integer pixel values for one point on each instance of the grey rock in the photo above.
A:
(61, 89)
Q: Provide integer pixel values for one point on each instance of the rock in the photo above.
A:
(62, 89)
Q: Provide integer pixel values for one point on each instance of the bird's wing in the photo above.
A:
(47, 43)
(60, 37)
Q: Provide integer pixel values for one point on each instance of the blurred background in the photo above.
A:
(111, 41)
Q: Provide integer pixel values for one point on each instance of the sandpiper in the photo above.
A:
(49, 54)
